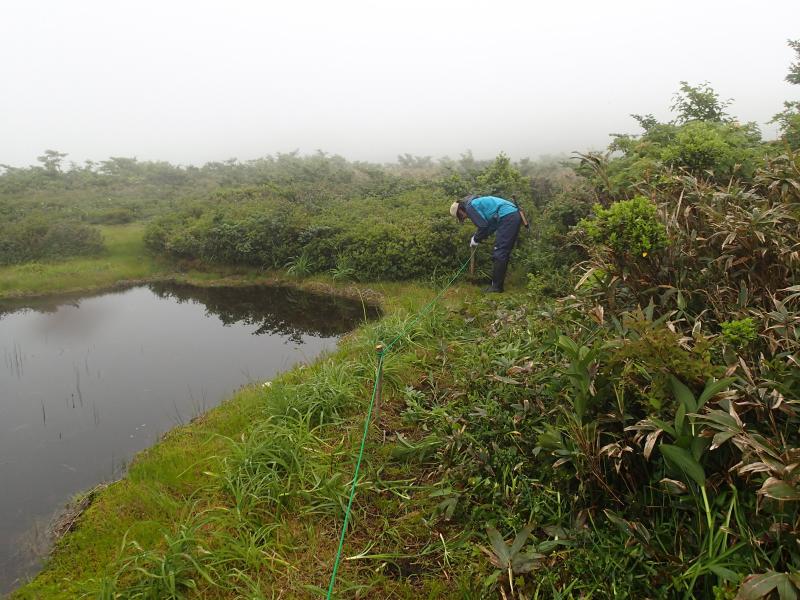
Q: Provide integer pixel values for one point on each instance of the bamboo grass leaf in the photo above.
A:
(520, 540)
(758, 586)
(499, 547)
(683, 394)
(786, 589)
(712, 389)
(720, 438)
(684, 461)
(722, 419)
(779, 490)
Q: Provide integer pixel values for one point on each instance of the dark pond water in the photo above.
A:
(86, 382)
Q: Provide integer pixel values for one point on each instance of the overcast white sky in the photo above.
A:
(191, 82)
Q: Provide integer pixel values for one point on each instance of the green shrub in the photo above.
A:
(630, 228)
(36, 237)
(722, 148)
(501, 178)
(739, 333)
(410, 236)
(642, 362)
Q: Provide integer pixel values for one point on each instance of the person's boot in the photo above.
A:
(498, 277)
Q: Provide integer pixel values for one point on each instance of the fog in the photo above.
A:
(191, 82)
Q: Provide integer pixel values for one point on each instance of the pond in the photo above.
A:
(88, 381)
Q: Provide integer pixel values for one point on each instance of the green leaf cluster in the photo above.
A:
(701, 146)
(739, 333)
(630, 228)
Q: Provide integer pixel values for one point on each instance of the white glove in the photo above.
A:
(473, 243)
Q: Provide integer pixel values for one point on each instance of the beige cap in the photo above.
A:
(454, 209)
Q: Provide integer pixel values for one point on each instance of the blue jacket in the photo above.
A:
(486, 212)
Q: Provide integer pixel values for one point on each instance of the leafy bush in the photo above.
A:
(502, 179)
(410, 236)
(36, 237)
(719, 450)
(719, 148)
(739, 333)
(699, 103)
(630, 228)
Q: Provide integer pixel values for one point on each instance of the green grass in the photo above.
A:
(125, 259)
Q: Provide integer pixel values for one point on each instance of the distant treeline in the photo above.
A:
(127, 182)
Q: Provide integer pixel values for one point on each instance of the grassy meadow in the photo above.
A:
(123, 259)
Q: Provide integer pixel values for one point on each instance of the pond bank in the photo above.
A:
(182, 478)
(89, 380)
(127, 263)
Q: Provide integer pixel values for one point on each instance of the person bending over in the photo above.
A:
(491, 214)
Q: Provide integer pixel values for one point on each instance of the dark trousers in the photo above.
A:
(506, 237)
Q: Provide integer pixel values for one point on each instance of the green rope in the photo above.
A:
(378, 372)
(355, 475)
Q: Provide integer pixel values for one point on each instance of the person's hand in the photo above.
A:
(473, 243)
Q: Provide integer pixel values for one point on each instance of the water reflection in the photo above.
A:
(273, 310)
(88, 381)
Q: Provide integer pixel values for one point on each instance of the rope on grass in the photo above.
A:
(382, 350)
(425, 309)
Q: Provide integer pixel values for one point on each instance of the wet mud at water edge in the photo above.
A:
(86, 382)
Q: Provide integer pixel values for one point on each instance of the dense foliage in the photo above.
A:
(255, 227)
(367, 231)
(649, 422)
(36, 237)
(630, 228)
